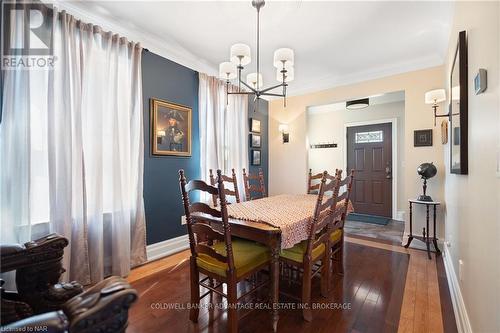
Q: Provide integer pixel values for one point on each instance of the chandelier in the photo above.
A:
(240, 56)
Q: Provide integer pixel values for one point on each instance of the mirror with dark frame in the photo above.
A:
(458, 108)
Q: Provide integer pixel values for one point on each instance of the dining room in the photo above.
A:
(249, 166)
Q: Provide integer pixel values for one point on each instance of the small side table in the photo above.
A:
(425, 232)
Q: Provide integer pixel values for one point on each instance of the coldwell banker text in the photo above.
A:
(27, 36)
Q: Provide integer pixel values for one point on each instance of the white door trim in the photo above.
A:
(394, 122)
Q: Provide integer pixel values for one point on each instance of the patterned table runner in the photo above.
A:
(291, 213)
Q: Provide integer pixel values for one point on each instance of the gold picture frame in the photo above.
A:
(171, 125)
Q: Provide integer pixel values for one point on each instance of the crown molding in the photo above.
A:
(332, 81)
(169, 48)
(163, 46)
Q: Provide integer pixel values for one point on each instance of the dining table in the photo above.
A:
(279, 222)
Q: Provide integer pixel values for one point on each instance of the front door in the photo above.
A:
(369, 153)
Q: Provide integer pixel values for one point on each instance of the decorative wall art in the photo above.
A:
(255, 157)
(255, 140)
(170, 128)
(422, 138)
(254, 125)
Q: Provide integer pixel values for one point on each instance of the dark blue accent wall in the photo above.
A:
(260, 113)
(167, 80)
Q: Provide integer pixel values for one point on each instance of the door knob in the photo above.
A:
(388, 173)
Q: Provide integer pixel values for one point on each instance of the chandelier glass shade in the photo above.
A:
(240, 56)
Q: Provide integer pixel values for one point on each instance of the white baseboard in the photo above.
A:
(166, 248)
(461, 317)
(400, 215)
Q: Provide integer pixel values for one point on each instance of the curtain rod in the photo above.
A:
(96, 28)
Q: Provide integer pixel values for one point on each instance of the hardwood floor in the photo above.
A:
(386, 288)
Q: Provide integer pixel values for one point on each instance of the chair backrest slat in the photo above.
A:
(311, 188)
(227, 191)
(202, 186)
(323, 221)
(254, 188)
(199, 216)
(205, 249)
(206, 230)
(201, 207)
(344, 199)
(345, 181)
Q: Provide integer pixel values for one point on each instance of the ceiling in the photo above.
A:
(335, 43)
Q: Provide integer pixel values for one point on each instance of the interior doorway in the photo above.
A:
(327, 127)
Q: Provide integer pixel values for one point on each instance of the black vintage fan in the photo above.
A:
(426, 171)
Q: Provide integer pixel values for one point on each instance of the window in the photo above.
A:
(368, 137)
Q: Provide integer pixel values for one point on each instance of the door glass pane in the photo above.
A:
(367, 137)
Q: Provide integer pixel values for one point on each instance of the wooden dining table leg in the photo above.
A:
(275, 280)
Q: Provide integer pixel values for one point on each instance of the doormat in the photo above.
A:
(368, 218)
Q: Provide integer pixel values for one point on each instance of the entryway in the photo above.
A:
(371, 141)
(369, 153)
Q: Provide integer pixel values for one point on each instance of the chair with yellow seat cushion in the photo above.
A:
(337, 230)
(247, 256)
(297, 252)
(216, 254)
(312, 256)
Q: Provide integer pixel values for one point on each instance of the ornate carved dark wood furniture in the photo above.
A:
(102, 308)
(312, 256)
(337, 231)
(38, 266)
(313, 188)
(216, 254)
(226, 179)
(251, 189)
(425, 232)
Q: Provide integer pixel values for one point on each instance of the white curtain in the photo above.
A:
(71, 151)
(223, 129)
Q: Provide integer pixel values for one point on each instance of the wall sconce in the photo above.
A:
(434, 97)
(283, 128)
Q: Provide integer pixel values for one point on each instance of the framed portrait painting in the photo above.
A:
(170, 128)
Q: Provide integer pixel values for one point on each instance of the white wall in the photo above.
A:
(327, 125)
(288, 162)
(473, 200)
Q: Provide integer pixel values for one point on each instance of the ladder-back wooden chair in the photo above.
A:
(337, 230)
(251, 189)
(306, 255)
(227, 191)
(313, 188)
(216, 254)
